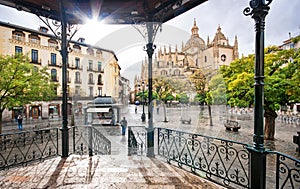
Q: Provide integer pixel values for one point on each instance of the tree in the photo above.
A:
(22, 83)
(282, 83)
(199, 82)
(217, 90)
(163, 91)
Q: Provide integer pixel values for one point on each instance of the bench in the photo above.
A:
(232, 125)
(186, 121)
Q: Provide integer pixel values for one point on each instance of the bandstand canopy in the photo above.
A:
(110, 11)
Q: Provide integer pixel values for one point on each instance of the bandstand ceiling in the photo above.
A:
(110, 11)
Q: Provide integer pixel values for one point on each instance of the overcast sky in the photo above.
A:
(127, 43)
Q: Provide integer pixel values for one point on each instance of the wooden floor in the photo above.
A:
(113, 171)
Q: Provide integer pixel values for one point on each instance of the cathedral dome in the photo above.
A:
(195, 40)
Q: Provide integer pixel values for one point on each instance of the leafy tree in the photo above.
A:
(282, 83)
(22, 83)
(163, 91)
(217, 89)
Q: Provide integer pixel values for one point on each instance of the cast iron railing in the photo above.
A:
(23, 147)
(88, 140)
(286, 172)
(137, 140)
(222, 161)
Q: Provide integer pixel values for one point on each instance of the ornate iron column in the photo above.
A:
(258, 10)
(63, 32)
(150, 51)
(64, 54)
(148, 31)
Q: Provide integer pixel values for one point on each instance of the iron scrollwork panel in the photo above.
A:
(137, 140)
(24, 147)
(88, 140)
(222, 161)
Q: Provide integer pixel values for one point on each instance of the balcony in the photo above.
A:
(91, 82)
(35, 61)
(100, 83)
(54, 64)
(78, 81)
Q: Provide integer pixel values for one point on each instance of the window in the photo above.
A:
(77, 62)
(18, 50)
(91, 78)
(99, 79)
(163, 72)
(19, 36)
(53, 59)
(76, 48)
(34, 39)
(205, 58)
(90, 51)
(52, 43)
(90, 65)
(77, 90)
(99, 66)
(34, 56)
(91, 91)
(53, 75)
(77, 77)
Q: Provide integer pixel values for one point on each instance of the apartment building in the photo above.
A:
(91, 70)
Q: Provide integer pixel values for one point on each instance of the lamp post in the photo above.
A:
(143, 117)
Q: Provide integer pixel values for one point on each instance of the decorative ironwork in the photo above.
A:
(223, 161)
(24, 147)
(287, 171)
(88, 140)
(137, 142)
(55, 27)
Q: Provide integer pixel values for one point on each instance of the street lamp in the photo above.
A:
(143, 101)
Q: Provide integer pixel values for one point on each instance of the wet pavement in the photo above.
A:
(200, 124)
(122, 171)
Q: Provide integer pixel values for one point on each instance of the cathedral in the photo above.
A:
(194, 54)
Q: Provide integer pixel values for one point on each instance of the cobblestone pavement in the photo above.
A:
(101, 172)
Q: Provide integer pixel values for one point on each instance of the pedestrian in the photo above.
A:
(135, 109)
(123, 125)
(20, 119)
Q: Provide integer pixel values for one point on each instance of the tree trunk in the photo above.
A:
(165, 112)
(1, 122)
(210, 117)
(270, 116)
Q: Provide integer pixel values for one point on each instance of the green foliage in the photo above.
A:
(282, 79)
(217, 89)
(199, 81)
(21, 83)
(163, 90)
(184, 98)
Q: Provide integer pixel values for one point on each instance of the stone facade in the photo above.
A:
(194, 54)
(91, 71)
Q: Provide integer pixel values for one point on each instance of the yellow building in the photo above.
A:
(92, 71)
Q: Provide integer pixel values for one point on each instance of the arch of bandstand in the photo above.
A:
(151, 14)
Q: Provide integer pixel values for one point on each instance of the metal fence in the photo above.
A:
(88, 140)
(27, 146)
(222, 161)
(137, 140)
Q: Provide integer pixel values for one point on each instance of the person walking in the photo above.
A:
(123, 125)
(20, 119)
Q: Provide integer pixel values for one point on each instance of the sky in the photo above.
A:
(127, 42)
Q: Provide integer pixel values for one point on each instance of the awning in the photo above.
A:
(96, 110)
